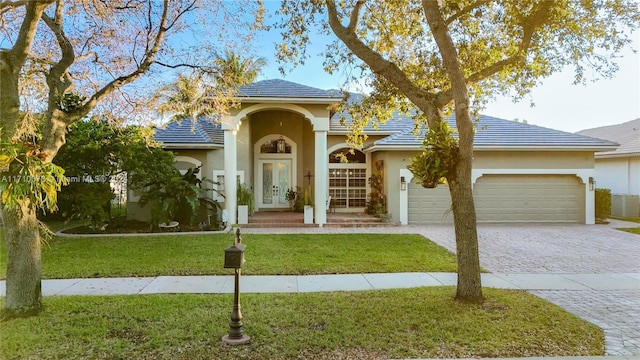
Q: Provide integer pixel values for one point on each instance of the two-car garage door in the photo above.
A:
(506, 198)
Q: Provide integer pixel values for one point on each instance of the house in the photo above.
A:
(283, 135)
(619, 169)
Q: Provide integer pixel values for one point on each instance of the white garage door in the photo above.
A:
(428, 206)
(535, 198)
(505, 198)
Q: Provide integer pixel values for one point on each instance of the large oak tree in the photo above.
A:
(436, 56)
(62, 60)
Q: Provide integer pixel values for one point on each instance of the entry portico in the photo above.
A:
(279, 134)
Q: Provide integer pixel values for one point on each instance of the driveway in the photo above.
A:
(585, 249)
(549, 248)
(553, 248)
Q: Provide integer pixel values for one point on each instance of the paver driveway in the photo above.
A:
(554, 248)
(597, 249)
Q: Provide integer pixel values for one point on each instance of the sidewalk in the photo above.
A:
(223, 284)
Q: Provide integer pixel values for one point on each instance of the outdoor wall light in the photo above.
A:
(403, 183)
(281, 145)
(592, 183)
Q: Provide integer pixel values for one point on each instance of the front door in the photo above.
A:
(275, 180)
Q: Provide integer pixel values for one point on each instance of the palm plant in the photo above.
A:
(233, 71)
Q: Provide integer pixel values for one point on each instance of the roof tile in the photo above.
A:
(626, 134)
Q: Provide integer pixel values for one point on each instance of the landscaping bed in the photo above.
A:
(129, 226)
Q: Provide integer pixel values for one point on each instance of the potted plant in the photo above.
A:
(246, 203)
(291, 198)
(308, 206)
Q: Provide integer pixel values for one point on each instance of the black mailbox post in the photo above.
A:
(234, 256)
(233, 259)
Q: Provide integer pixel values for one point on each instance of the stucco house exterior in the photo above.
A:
(619, 169)
(284, 135)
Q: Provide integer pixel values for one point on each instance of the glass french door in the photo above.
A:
(275, 176)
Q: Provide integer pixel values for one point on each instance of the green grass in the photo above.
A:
(407, 323)
(631, 230)
(635, 220)
(268, 254)
(634, 230)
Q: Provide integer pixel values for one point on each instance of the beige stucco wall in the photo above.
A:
(393, 162)
(396, 160)
(210, 159)
(533, 160)
(317, 110)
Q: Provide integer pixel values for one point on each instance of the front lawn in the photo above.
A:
(268, 254)
(635, 220)
(406, 323)
(633, 230)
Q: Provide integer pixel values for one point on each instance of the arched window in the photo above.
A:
(357, 157)
(276, 146)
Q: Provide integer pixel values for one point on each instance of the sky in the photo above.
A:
(558, 103)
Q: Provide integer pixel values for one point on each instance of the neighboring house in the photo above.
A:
(284, 135)
(619, 169)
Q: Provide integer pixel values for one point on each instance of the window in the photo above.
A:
(348, 181)
(218, 176)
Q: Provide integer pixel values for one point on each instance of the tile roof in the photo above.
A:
(399, 121)
(491, 132)
(626, 134)
(277, 88)
(203, 132)
(499, 133)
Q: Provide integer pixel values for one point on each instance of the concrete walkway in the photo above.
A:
(223, 284)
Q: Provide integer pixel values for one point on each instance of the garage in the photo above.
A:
(505, 198)
(532, 198)
(429, 206)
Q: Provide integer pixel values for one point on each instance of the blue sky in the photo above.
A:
(558, 104)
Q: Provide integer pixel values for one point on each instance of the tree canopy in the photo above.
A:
(426, 58)
(503, 47)
(65, 60)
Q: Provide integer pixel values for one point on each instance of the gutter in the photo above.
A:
(295, 100)
(189, 146)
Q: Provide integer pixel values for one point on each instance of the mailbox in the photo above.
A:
(234, 256)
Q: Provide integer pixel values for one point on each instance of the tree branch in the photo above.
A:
(376, 62)
(529, 27)
(355, 15)
(13, 4)
(466, 10)
(68, 55)
(148, 60)
(448, 53)
(20, 50)
(206, 69)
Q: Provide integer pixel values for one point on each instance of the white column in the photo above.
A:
(321, 177)
(404, 196)
(230, 174)
(589, 202)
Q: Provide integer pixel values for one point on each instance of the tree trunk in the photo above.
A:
(24, 269)
(464, 212)
(469, 288)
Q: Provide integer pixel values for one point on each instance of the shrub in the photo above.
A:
(603, 203)
(246, 197)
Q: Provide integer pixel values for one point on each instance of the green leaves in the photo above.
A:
(439, 157)
(70, 102)
(25, 175)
